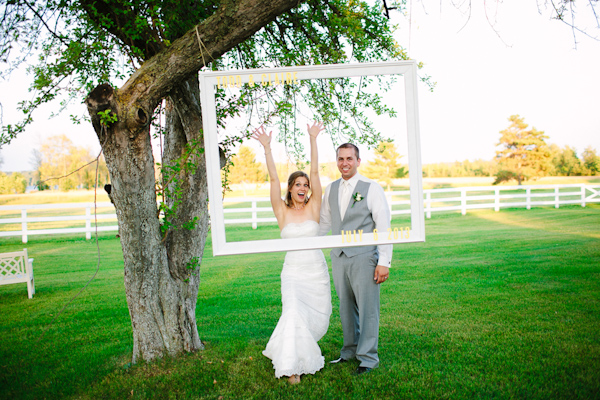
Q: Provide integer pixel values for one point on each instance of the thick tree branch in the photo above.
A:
(234, 22)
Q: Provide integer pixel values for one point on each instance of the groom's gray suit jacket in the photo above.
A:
(357, 217)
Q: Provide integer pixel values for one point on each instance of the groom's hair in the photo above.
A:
(348, 146)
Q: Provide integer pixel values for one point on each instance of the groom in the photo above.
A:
(357, 203)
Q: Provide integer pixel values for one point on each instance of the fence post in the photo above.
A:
(582, 195)
(528, 191)
(556, 197)
(388, 198)
(88, 223)
(24, 225)
(428, 203)
(463, 201)
(254, 215)
(497, 199)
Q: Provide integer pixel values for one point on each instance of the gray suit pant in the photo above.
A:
(359, 306)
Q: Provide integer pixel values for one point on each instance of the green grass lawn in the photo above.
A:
(493, 305)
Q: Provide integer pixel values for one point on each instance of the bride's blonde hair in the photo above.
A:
(291, 180)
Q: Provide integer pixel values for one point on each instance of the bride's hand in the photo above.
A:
(261, 135)
(315, 129)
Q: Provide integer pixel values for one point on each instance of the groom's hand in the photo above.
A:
(381, 274)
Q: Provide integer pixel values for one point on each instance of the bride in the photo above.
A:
(305, 291)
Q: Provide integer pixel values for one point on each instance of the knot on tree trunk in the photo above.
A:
(100, 99)
(137, 118)
(104, 97)
(102, 94)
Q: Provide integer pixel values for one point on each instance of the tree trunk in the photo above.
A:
(161, 292)
(185, 245)
(162, 273)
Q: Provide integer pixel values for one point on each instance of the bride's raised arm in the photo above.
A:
(277, 203)
(315, 182)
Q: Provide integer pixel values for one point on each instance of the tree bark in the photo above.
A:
(162, 273)
(131, 166)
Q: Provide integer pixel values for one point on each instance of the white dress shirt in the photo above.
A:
(377, 204)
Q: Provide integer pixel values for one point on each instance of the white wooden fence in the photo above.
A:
(257, 210)
(80, 214)
(477, 197)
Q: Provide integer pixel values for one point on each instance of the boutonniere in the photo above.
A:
(357, 197)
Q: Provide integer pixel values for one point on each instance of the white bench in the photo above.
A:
(16, 267)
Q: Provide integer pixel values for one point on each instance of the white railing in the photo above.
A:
(82, 214)
(496, 197)
(435, 200)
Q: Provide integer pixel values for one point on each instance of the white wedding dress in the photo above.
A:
(306, 300)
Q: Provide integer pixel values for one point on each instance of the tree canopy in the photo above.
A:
(565, 161)
(12, 183)
(385, 167)
(64, 164)
(245, 169)
(524, 153)
(591, 160)
(81, 44)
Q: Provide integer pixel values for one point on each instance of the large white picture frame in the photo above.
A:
(289, 75)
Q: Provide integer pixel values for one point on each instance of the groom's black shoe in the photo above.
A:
(361, 370)
(338, 361)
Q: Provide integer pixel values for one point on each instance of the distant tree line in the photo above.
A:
(243, 168)
(460, 169)
(523, 154)
(58, 164)
(12, 183)
(563, 162)
(385, 167)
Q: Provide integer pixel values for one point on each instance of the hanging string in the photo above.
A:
(97, 161)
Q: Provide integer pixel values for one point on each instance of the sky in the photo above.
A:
(524, 64)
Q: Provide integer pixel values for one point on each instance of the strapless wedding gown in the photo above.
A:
(306, 300)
